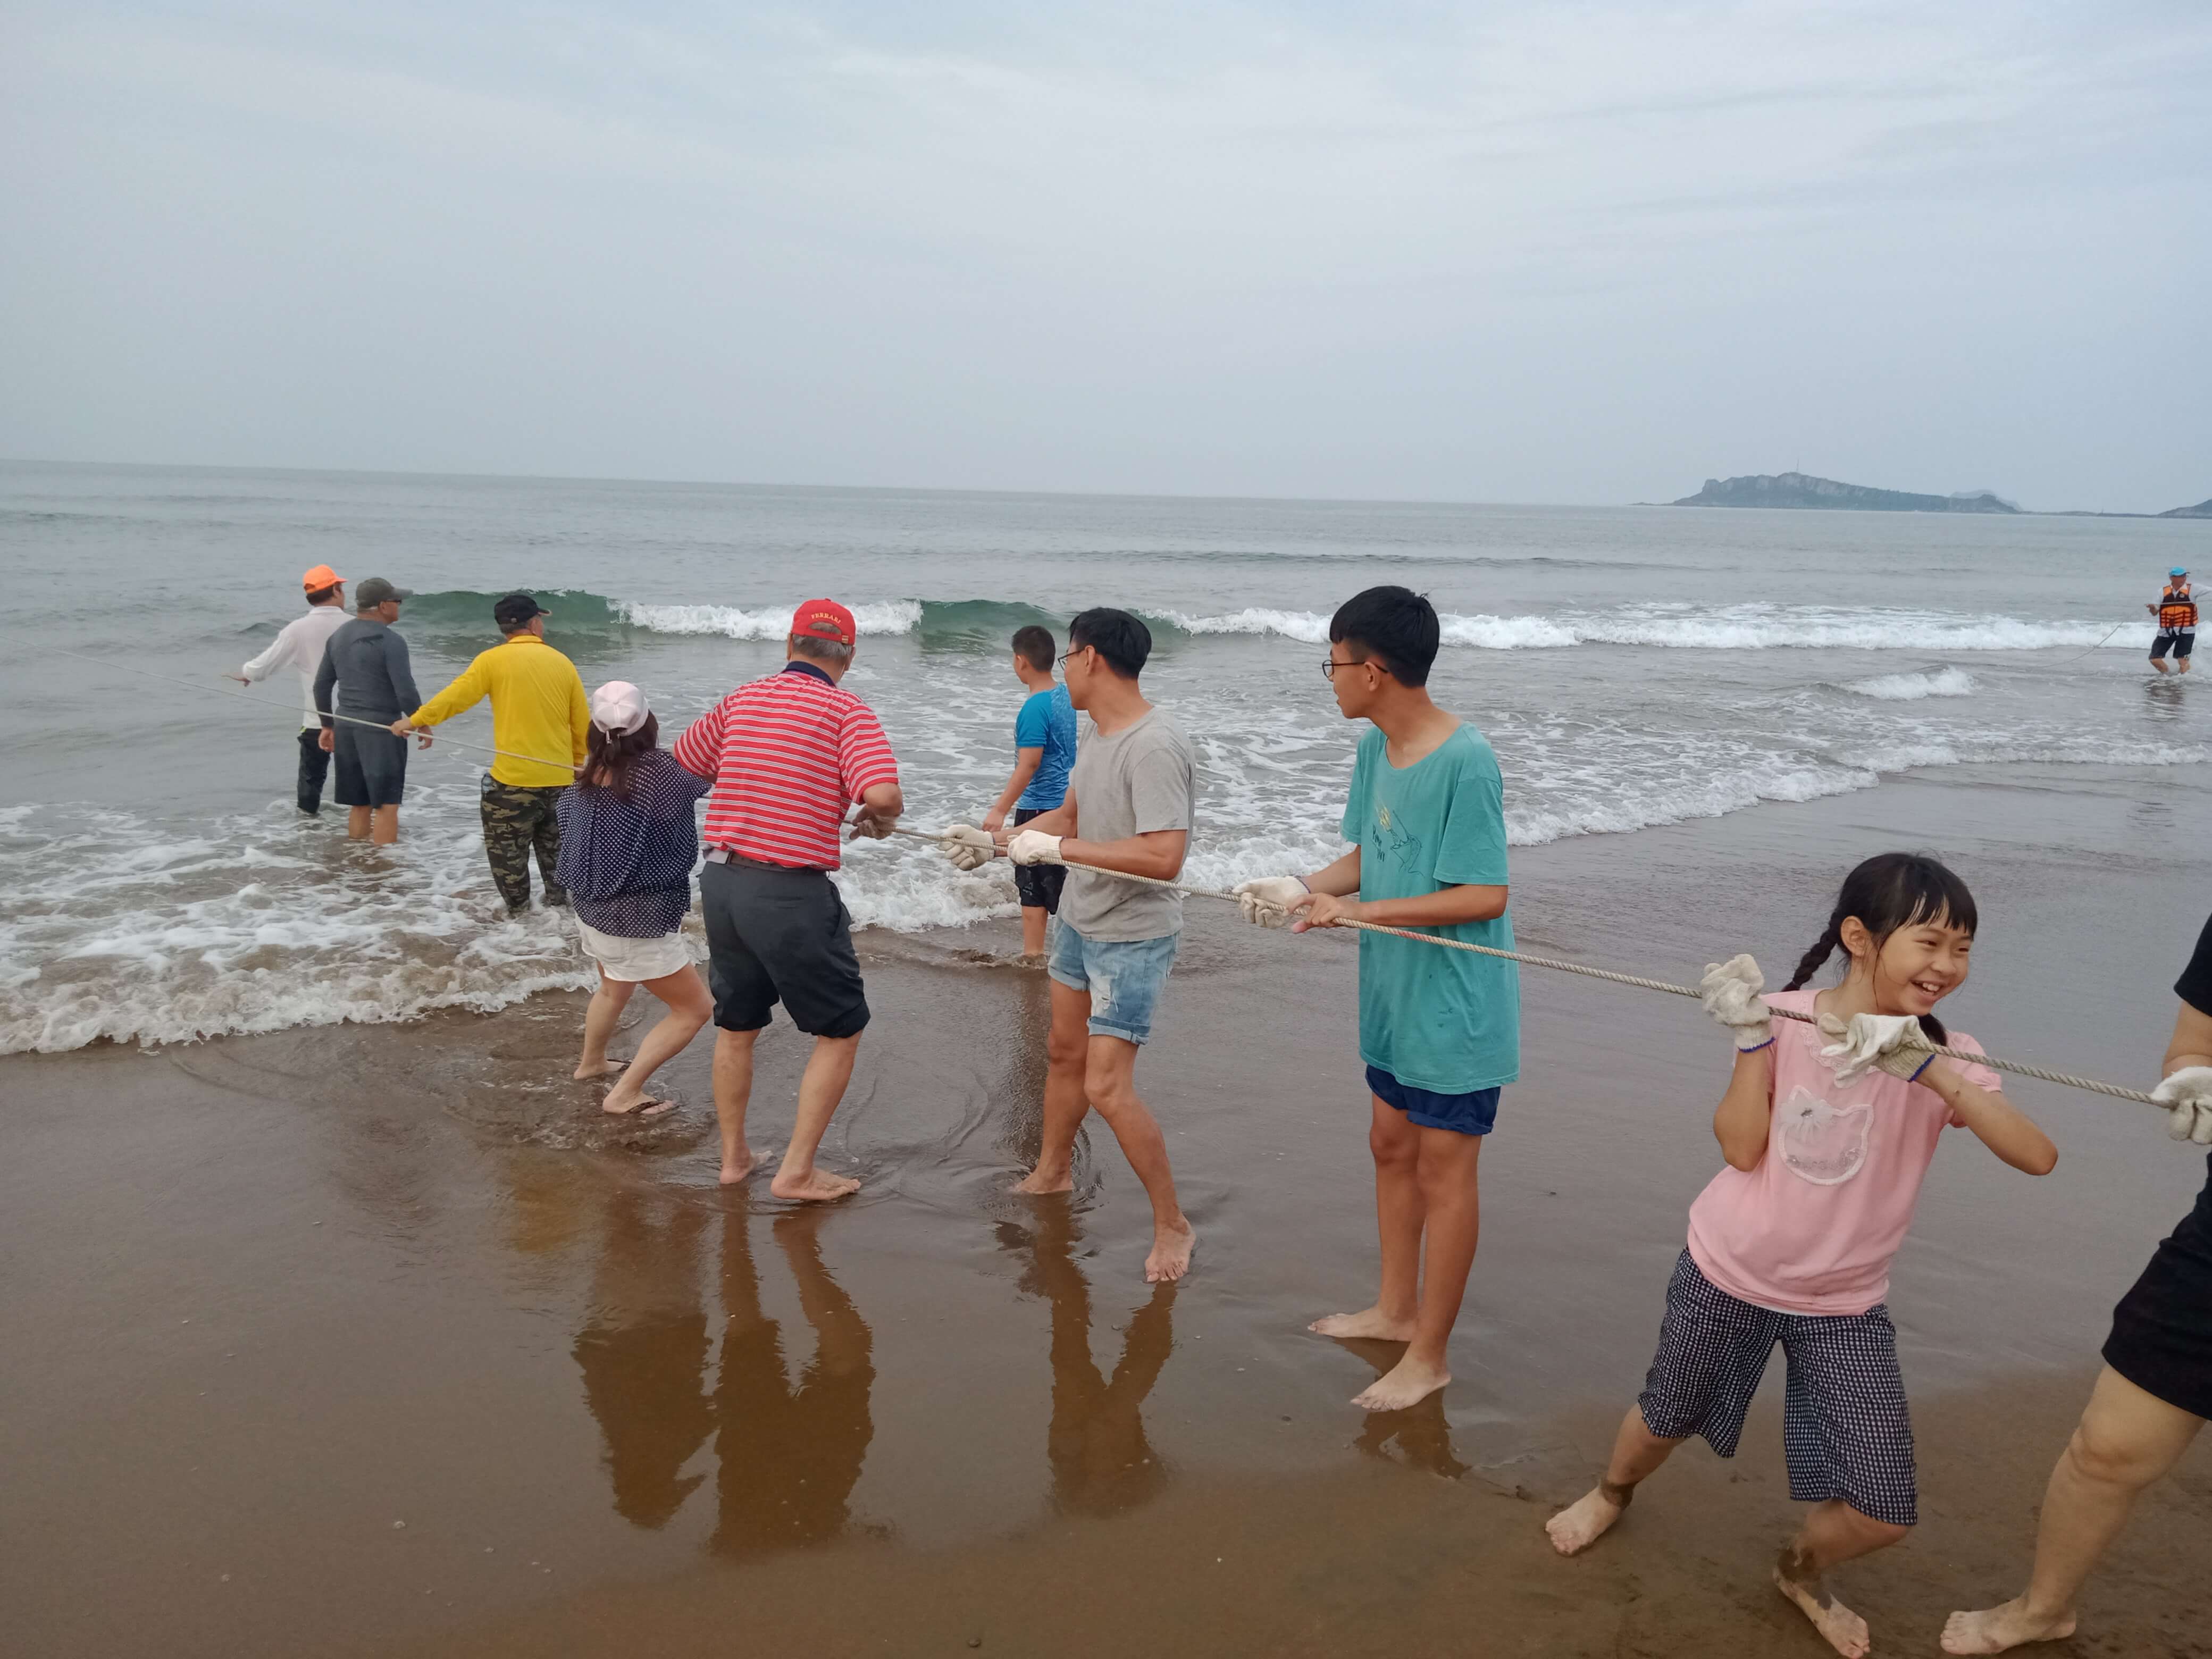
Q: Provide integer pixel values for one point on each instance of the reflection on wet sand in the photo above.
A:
(1101, 1462)
(788, 1454)
(643, 1353)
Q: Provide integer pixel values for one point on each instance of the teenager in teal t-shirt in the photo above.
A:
(1439, 1030)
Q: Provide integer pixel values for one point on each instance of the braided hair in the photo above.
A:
(1889, 891)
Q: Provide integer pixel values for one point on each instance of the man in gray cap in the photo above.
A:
(365, 664)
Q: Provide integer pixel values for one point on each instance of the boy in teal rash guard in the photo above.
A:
(1439, 1030)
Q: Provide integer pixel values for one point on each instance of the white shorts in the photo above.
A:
(634, 960)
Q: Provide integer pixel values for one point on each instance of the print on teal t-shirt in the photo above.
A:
(1446, 1020)
(1048, 722)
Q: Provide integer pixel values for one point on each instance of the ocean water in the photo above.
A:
(1633, 666)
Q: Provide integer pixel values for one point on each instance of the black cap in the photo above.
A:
(368, 595)
(517, 609)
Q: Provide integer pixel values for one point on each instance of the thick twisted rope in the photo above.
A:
(2016, 1067)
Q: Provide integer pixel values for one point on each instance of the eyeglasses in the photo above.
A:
(1076, 652)
(1329, 669)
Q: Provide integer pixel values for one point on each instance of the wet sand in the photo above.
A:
(269, 1297)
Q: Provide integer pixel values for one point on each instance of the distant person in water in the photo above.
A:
(2155, 1391)
(628, 838)
(299, 646)
(1044, 751)
(1129, 801)
(786, 756)
(2176, 612)
(1439, 1030)
(366, 676)
(540, 720)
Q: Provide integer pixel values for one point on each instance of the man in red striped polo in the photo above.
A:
(788, 755)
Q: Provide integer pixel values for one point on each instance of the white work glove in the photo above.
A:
(969, 847)
(1035, 846)
(1730, 991)
(1267, 902)
(2189, 1091)
(1892, 1042)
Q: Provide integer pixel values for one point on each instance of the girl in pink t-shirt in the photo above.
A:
(1828, 1130)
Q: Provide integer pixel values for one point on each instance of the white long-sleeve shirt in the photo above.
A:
(298, 644)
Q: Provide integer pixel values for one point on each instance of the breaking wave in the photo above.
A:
(1911, 688)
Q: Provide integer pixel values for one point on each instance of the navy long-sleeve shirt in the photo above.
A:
(627, 863)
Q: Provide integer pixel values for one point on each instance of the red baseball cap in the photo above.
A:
(824, 619)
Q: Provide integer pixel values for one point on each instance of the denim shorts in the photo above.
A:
(1124, 977)
(1472, 1114)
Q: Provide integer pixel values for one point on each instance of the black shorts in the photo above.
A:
(372, 767)
(781, 936)
(1039, 884)
(2162, 1339)
(2181, 644)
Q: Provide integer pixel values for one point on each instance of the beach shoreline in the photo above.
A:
(275, 1294)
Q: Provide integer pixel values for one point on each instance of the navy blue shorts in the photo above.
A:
(1472, 1114)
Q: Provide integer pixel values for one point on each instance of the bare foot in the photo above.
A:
(1406, 1383)
(1370, 1322)
(605, 1068)
(1171, 1250)
(1587, 1519)
(738, 1170)
(1996, 1629)
(1038, 1184)
(812, 1186)
(1842, 1629)
(639, 1106)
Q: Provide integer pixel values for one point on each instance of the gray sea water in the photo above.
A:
(1633, 666)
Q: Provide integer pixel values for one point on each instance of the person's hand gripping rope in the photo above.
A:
(1035, 846)
(969, 847)
(2188, 1092)
(1892, 1042)
(1730, 991)
(1266, 901)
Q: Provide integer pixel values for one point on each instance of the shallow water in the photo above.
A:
(1634, 667)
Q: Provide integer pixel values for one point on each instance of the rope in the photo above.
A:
(244, 696)
(2099, 646)
(2016, 1067)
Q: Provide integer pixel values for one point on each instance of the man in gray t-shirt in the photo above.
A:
(1128, 807)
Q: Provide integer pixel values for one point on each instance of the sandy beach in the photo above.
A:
(378, 1340)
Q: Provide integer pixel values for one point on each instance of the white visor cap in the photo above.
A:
(619, 708)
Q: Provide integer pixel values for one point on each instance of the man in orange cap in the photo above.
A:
(788, 754)
(299, 644)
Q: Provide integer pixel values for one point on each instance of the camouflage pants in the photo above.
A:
(517, 822)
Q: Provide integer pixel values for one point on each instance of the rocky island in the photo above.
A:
(1802, 490)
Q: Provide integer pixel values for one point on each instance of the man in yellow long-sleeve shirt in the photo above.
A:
(538, 708)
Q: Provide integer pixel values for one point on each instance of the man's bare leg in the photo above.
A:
(820, 1088)
(734, 1091)
(2127, 1439)
(1400, 1215)
(1034, 917)
(2159, 663)
(1833, 1533)
(690, 1008)
(1637, 1452)
(1066, 1049)
(358, 823)
(1451, 1210)
(601, 1015)
(1109, 1084)
(383, 825)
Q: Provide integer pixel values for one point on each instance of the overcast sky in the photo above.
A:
(1534, 253)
